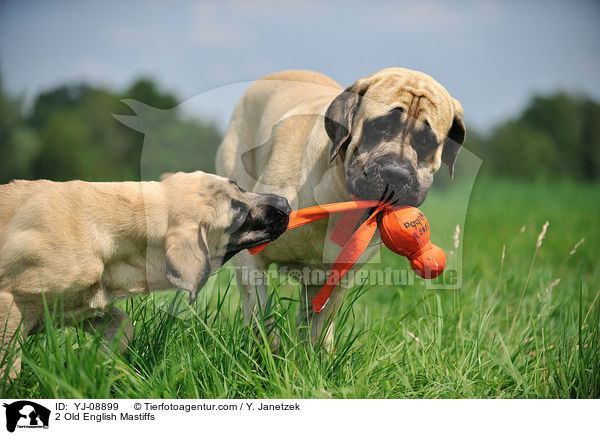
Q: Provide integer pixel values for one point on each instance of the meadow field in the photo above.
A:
(524, 324)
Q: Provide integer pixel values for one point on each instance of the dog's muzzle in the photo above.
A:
(385, 179)
(277, 214)
(264, 222)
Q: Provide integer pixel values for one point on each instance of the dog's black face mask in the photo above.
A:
(390, 160)
(394, 157)
(264, 222)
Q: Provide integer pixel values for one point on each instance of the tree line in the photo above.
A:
(69, 133)
(556, 136)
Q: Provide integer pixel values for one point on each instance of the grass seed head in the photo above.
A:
(456, 236)
(540, 238)
(577, 245)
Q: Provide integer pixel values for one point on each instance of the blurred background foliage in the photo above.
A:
(555, 137)
(69, 133)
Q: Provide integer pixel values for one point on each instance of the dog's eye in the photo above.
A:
(388, 124)
(424, 142)
(237, 185)
(240, 212)
(382, 125)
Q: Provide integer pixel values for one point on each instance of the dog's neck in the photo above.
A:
(332, 186)
(154, 212)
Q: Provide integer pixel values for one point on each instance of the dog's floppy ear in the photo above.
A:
(454, 139)
(188, 258)
(338, 119)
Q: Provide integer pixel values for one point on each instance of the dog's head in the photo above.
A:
(211, 219)
(393, 130)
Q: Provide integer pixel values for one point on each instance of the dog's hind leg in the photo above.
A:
(114, 323)
(11, 331)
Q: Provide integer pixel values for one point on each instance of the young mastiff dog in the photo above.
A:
(299, 134)
(92, 244)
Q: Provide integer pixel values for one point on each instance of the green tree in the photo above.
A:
(146, 90)
(556, 136)
(80, 139)
(18, 143)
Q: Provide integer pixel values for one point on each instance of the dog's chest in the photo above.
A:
(300, 245)
(133, 274)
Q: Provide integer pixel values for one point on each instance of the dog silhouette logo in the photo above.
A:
(26, 414)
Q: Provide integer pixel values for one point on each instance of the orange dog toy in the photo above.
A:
(404, 230)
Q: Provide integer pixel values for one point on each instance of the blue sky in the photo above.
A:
(491, 55)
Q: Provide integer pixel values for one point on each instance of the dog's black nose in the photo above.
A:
(396, 175)
(278, 202)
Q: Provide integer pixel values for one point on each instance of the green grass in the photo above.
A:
(508, 333)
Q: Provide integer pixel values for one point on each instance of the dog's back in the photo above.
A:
(42, 221)
(12, 196)
(266, 102)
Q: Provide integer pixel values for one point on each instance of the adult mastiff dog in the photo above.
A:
(299, 134)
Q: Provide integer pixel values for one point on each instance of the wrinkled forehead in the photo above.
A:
(211, 182)
(219, 189)
(419, 95)
(210, 189)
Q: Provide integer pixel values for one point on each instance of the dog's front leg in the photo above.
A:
(112, 324)
(11, 331)
(319, 326)
(252, 281)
